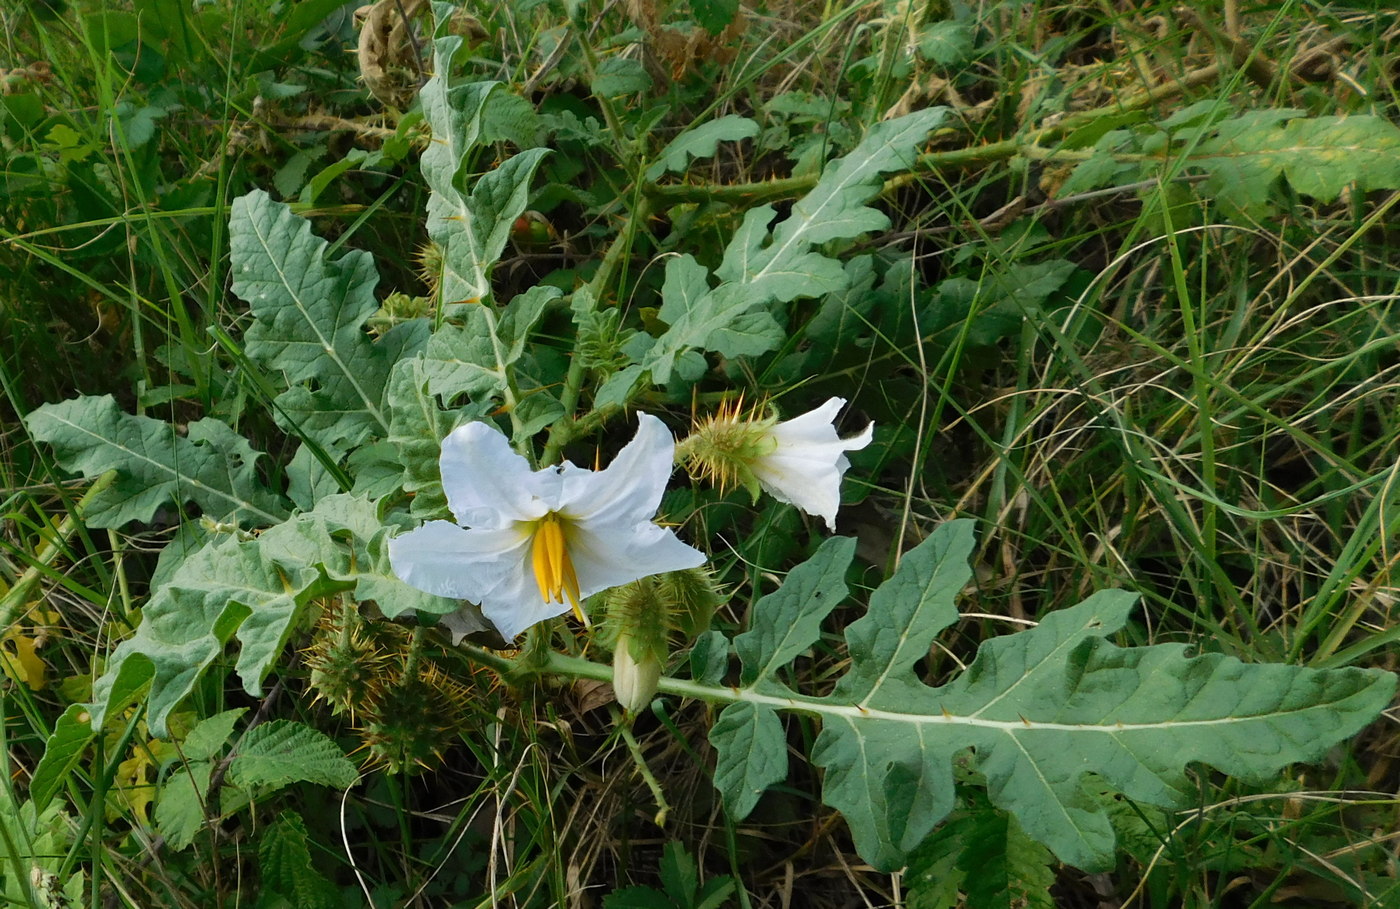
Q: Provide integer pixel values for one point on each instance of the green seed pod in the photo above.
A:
(347, 661)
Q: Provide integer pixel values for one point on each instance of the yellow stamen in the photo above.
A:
(554, 570)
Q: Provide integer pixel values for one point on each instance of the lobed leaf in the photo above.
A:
(471, 228)
(309, 312)
(788, 621)
(759, 269)
(253, 589)
(1318, 156)
(1246, 155)
(1035, 711)
(473, 359)
(211, 465)
(835, 208)
(701, 142)
(417, 426)
(751, 750)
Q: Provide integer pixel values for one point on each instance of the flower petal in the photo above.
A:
(806, 467)
(816, 425)
(629, 490)
(609, 555)
(445, 559)
(488, 567)
(516, 603)
(488, 485)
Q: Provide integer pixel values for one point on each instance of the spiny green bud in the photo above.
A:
(638, 624)
(723, 447)
(637, 614)
(347, 661)
(694, 596)
(430, 262)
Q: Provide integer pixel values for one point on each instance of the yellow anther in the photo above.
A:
(554, 570)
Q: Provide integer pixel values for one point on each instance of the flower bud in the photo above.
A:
(798, 461)
(639, 623)
(634, 681)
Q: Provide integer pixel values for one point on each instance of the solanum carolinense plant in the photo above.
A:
(432, 482)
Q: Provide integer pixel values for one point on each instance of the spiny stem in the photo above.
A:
(663, 807)
(566, 426)
(930, 162)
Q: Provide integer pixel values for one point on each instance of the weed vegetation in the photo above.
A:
(1106, 616)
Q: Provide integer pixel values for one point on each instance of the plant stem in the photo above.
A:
(565, 428)
(663, 808)
(930, 162)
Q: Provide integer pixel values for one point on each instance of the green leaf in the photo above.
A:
(678, 874)
(701, 142)
(473, 229)
(787, 622)
(179, 811)
(254, 589)
(842, 327)
(287, 868)
(1037, 711)
(1100, 169)
(947, 42)
(705, 319)
(714, 15)
(906, 612)
(1319, 157)
(138, 124)
(760, 268)
(620, 76)
(37, 844)
(283, 752)
(715, 892)
(835, 208)
(709, 657)
(1005, 868)
(798, 273)
(417, 426)
(210, 736)
(751, 752)
(62, 750)
(309, 312)
(227, 586)
(934, 876)
(987, 855)
(470, 227)
(211, 465)
(1245, 156)
(473, 360)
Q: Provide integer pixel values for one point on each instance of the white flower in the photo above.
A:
(806, 461)
(533, 543)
